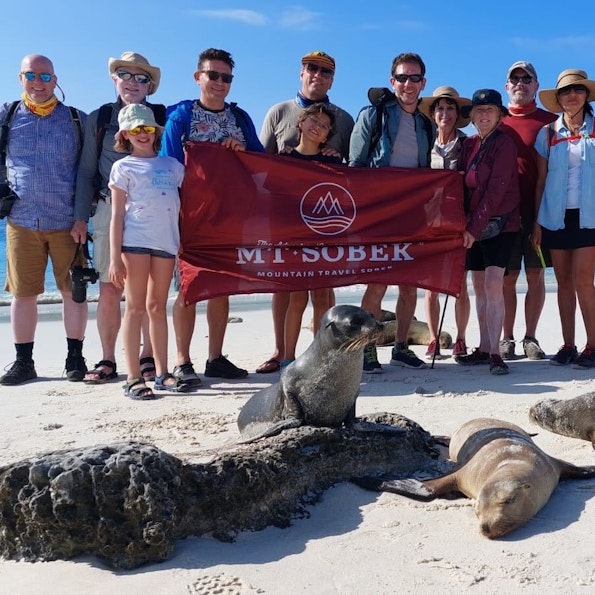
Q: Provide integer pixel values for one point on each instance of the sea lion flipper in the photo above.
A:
(570, 471)
(270, 430)
(412, 488)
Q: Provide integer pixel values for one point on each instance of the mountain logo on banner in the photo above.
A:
(327, 209)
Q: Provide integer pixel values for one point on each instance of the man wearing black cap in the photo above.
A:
(523, 123)
(280, 130)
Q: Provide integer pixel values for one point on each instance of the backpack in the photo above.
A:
(379, 97)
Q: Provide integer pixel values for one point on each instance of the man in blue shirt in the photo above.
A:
(41, 161)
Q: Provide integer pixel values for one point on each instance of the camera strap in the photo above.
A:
(4, 133)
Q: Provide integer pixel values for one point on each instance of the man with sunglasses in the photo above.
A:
(42, 153)
(523, 123)
(208, 118)
(404, 139)
(134, 79)
(280, 131)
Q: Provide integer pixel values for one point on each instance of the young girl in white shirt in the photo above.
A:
(144, 241)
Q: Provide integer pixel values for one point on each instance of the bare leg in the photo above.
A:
(510, 304)
(74, 316)
(372, 299)
(184, 318)
(298, 301)
(494, 306)
(583, 263)
(478, 278)
(23, 318)
(534, 300)
(217, 315)
(405, 311)
(563, 269)
(462, 310)
(432, 310)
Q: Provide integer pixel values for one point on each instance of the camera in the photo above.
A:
(7, 199)
(81, 276)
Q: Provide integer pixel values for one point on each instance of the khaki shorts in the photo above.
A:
(27, 258)
(100, 223)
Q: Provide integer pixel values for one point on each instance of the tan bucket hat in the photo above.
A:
(134, 59)
(447, 93)
(571, 76)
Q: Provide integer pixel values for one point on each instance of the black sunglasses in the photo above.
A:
(576, 88)
(403, 78)
(214, 76)
(515, 80)
(325, 72)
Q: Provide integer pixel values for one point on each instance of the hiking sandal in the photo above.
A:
(147, 368)
(137, 390)
(101, 375)
(177, 386)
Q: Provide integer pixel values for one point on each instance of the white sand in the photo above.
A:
(354, 541)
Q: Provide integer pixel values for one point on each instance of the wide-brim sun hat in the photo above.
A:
(485, 97)
(571, 76)
(134, 115)
(128, 59)
(446, 92)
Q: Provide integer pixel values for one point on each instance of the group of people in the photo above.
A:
(529, 180)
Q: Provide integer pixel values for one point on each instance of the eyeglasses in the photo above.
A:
(138, 129)
(580, 89)
(44, 77)
(403, 78)
(318, 123)
(214, 76)
(143, 79)
(515, 80)
(326, 73)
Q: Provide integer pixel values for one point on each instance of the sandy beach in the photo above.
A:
(354, 541)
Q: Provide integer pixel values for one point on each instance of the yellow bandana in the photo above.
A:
(41, 109)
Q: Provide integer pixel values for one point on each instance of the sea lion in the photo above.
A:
(320, 387)
(501, 467)
(419, 333)
(570, 417)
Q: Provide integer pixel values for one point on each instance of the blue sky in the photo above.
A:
(468, 48)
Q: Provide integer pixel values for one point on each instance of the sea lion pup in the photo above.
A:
(501, 467)
(419, 333)
(320, 387)
(570, 417)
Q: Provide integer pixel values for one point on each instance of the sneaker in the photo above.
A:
(371, 363)
(497, 366)
(433, 351)
(532, 349)
(223, 368)
(21, 371)
(565, 356)
(403, 356)
(585, 360)
(475, 358)
(76, 368)
(460, 348)
(507, 349)
(186, 374)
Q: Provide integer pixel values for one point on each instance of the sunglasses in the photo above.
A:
(143, 79)
(414, 78)
(515, 80)
(138, 129)
(44, 77)
(580, 89)
(324, 72)
(214, 76)
(317, 122)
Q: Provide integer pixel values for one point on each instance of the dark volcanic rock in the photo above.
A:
(128, 502)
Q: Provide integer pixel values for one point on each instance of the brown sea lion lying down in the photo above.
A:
(570, 417)
(501, 467)
(419, 333)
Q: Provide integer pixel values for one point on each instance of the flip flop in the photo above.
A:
(271, 365)
(101, 375)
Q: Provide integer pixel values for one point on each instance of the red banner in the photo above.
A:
(252, 222)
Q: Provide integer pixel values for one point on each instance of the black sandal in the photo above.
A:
(178, 386)
(147, 368)
(137, 390)
(102, 376)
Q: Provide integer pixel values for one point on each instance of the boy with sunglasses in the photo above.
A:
(41, 161)
(208, 118)
(406, 139)
(134, 79)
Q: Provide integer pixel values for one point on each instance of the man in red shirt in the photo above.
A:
(523, 124)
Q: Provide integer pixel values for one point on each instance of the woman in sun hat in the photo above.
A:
(489, 164)
(444, 109)
(566, 206)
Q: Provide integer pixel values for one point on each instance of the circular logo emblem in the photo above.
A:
(327, 209)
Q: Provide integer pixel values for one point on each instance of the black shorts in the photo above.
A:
(494, 252)
(569, 238)
(522, 251)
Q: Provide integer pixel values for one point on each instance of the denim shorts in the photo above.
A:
(149, 251)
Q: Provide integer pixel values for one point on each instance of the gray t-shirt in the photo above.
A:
(404, 153)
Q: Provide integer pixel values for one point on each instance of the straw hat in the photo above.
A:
(134, 59)
(572, 76)
(447, 93)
